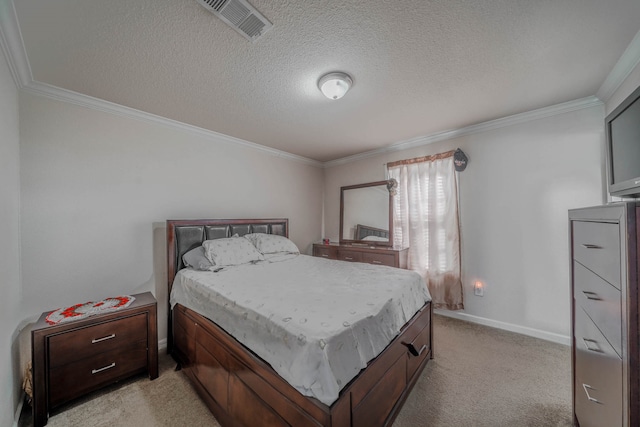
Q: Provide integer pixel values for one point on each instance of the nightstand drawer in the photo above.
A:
(596, 245)
(74, 379)
(85, 342)
(379, 259)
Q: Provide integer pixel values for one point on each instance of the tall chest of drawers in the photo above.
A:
(604, 288)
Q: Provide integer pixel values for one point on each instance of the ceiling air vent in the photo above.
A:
(240, 15)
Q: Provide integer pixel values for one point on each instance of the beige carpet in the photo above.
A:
(480, 376)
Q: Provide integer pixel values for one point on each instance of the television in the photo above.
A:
(622, 129)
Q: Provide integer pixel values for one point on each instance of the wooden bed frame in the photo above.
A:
(241, 389)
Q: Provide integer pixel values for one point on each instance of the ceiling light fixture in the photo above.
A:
(335, 85)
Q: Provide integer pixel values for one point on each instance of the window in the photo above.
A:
(426, 221)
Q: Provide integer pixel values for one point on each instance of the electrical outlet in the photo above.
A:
(478, 289)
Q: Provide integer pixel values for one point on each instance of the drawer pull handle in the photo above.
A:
(376, 262)
(95, 371)
(348, 258)
(591, 399)
(596, 347)
(325, 255)
(592, 296)
(413, 350)
(108, 337)
(590, 246)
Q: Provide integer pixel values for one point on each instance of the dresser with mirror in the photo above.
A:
(366, 227)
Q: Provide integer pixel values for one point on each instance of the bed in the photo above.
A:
(242, 389)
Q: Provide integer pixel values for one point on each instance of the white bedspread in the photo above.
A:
(317, 322)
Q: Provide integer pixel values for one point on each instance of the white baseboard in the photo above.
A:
(162, 344)
(536, 333)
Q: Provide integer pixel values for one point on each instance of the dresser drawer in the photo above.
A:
(596, 245)
(598, 376)
(347, 255)
(75, 379)
(393, 257)
(601, 302)
(379, 259)
(325, 251)
(86, 342)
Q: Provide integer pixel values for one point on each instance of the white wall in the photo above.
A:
(514, 196)
(10, 247)
(97, 189)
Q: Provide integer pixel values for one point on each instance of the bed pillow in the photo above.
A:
(375, 239)
(197, 260)
(231, 251)
(272, 243)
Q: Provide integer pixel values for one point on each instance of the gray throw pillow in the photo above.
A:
(196, 259)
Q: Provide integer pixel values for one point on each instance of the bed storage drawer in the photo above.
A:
(66, 348)
(385, 393)
(418, 350)
(211, 367)
(596, 245)
(601, 302)
(233, 385)
(184, 336)
(598, 376)
(417, 344)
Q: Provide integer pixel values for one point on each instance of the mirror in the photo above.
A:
(366, 213)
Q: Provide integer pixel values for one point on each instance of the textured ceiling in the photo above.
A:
(419, 67)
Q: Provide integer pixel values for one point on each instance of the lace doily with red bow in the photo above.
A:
(80, 311)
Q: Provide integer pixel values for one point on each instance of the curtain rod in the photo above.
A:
(422, 159)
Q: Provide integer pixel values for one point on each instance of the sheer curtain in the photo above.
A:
(426, 221)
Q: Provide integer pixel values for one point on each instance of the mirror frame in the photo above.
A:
(363, 242)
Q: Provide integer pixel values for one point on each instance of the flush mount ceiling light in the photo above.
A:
(335, 85)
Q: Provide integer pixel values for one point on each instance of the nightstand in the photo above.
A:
(77, 357)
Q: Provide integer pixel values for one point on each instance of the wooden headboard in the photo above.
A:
(363, 231)
(186, 234)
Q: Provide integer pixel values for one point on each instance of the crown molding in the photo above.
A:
(56, 93)
(541, 113)
(628, 61)
(13, 47)
(12, 44)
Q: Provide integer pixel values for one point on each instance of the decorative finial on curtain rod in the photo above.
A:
(460, 160)
(392, 186)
